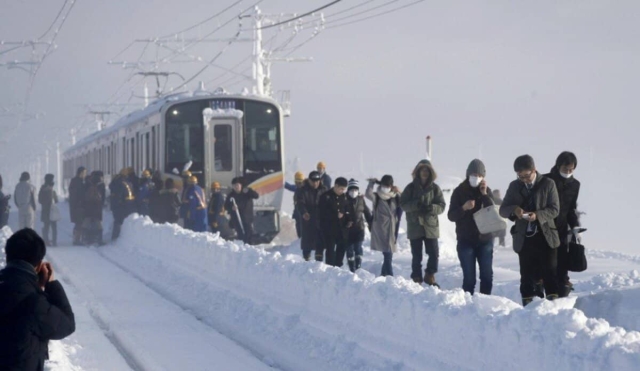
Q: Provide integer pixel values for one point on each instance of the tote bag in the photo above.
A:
(54, 213)
(488, 220)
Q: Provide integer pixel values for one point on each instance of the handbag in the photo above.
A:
(577, 257)
(54, 213)
(488, 220)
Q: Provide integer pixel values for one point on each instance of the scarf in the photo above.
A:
(386, 196)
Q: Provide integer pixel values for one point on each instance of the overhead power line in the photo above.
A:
(204, 21)
(300, 16)
(376, 15)
(55, 20)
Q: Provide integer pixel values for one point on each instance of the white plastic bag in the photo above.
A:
(54, 213)
(488, 220)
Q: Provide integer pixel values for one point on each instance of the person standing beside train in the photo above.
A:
(24, 197)
(239, 205)
(76, 192)
(123, 200)
(307, 199)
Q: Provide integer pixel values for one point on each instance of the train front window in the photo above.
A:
(185, 136)
(262, 138)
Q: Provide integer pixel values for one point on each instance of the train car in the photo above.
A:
(222, 136)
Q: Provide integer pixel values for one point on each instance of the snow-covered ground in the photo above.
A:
(166, 298)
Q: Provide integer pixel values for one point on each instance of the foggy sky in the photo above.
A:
(492, 79)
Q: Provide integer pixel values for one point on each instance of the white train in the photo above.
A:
(224, 136)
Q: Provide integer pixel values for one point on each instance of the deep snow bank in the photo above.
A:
(310, 316)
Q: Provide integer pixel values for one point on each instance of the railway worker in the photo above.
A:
(4, 207)
(76, 193)
(92, 224)
(123, 201)
(169, 203)
(532, 202)
(144, 192)
(360, 214)
(567, 221)
(239, 205)
(24, 197)
(322, 170)
(298, 183)
(197, 206)
(215, 209)
(423, 201)
(307, 199)
(154, 201)
(386, 219)
(468, 198)
(47, 197)
(35, 308)
(335, 220)
(184, 209)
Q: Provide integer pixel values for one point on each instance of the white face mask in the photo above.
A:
(565, 175)
(385, 189)
(475, 180)
(353, 193)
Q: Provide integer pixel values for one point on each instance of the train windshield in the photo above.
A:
(262, 152)
(185, 136)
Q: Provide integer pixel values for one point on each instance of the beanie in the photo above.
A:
(476, 167)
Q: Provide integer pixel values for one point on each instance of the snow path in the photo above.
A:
(152, 333)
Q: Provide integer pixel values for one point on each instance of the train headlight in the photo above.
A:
(269, 110)
(175, 112)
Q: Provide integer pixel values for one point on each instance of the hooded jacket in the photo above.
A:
(24, 196)
(423, 204)
(568, 191)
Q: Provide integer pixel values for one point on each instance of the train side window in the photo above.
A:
(153, 148)
(147, 157)
(223, 147)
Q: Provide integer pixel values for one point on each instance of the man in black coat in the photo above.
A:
(307, 199)
(567, 220)
(33, 305)
(334, 220)
(76, 206)
(123, 200)
(243, 197)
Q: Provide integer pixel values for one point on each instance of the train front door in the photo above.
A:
(224, 147)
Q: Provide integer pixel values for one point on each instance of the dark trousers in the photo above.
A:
(298, 219)
(432, 249)
(54, 232)
(354, 255)
(77, 233)
(536, 258)
(341, 249)
(329, 245)
(469, 254)
(247, 235)
(387, 267)
(117, 225)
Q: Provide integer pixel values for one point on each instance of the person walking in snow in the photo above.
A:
(468, 198)
(298, 183)
(322, 170)
(423, 201)
(144, 192)
(386, 217)
(169, 203)
(197, 206)
(243, 197)
(532, 202)
(307, 199)
(76, 194)
(34, 308)
(334, 221)
(501, 235)
(154, 200)
(47, 197)
(92, 224)
(123, 200)
(24, 197)
(567, 221)
(184, 209)
(4, 207)
(360, 213)
(215, 209)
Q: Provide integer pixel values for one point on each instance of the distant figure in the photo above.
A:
(169, 203)
(123, 200)
(307, 199)
(47, 197)
(4, 207)
(298, 183)
(497, 199)
(184, 208)
(197, 206)
(92, 224)
(215, 209)
(334, 222)
(154, 201)
(240, 203)
(322, 170)
(76, 194)
(24, 197)
(386, 219)
(34, 308)
(144, 192)
(360, 213)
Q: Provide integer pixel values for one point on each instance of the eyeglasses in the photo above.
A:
(526, 176)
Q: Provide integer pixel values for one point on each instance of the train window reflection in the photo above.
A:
(184, 137)
(223, 147)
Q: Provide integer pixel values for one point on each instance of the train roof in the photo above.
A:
(157, 106)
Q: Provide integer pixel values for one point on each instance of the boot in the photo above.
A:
(430, 279)
(417, 280)
(552, 297)
(539, 289)
(352, 266)
(526, 301)
(358, 262)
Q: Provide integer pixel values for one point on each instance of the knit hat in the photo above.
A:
(476, 167)
(353, 184)
(298, 177)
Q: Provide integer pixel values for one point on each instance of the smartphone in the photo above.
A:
(526, 216)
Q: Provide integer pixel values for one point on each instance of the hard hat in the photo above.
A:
(299, 176)
(192, 180)
(215, 185)
(146, 174)
(186, 174)
(321, 165)
(126, 171)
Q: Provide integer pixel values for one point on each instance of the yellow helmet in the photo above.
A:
(321, 165)
(299, 176)
(146, 174)
(186, 174)
(126, 171)
(192, 180)
(215, 185)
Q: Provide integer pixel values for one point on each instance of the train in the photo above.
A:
(221, 136)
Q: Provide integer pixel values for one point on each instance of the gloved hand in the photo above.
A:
(577, 235)
(425, 209)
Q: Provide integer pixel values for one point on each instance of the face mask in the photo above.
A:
(385, 189)
(475, 181)
(565, 175)
(353, 193)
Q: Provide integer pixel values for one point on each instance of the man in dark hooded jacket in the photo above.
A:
(33, 305)
(76, 207)
(243, 197)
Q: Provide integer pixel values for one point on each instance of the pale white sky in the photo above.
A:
(493, 79)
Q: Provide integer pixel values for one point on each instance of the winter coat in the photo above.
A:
(386, 220)
(215, 209)
(197, 214)
(329, 208)
(547, 208)
(4, 209)
(466, 228)
(244, 200)
(76, 194)
(568, 191)
(326, 181)
(46, 197)
(24, 197)
(360, 213)
(169, 206)
(123, 200)
(422, 204)
(92, 202)
(143, 196)
(307, 199)
(30, 317)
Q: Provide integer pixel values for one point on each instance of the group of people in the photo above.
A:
(331, 219)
